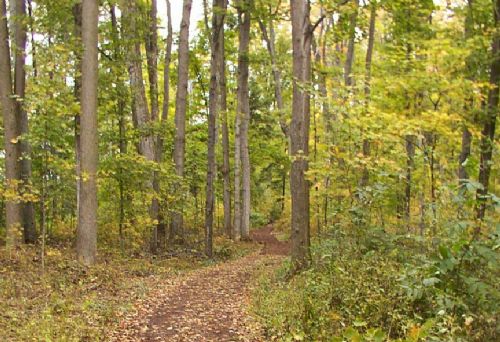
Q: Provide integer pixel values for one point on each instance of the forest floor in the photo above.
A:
(208, 304)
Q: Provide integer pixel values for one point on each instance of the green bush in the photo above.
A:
(385, 287)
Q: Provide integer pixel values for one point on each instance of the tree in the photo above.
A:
(348, 79)
(180, 110)
(244, 15)
(20, 37)
(299, 132)
(86, 241)
(216, 60)
(8, 107)
(226, 174)
(490, 117)
(161, 229)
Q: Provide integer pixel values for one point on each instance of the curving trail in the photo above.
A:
(208, 304)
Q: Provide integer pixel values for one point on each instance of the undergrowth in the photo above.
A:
(373, 286)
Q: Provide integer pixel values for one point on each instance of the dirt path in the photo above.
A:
(208, 304)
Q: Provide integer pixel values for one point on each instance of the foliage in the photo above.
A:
(385, 287)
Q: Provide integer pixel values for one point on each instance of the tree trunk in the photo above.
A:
(489, 121)
(141, 115)
(463, 176)
(348, 79)
(7, 106)
(365, 177)
(237, 178)
(152, 62)
(20, 34)
(464, 155)
(161, 228)
(120, 111)
(410, 162)
(218, 15)
(269, 38)
(86, 242)
(180, 110)
(299, 132)
(244, 112)
(77, 18)
(226, 175)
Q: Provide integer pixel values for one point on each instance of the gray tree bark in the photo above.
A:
(226, 175)
(490, 118)
(270, 39)
(152, 62)
(348, 79)
(86, 241)
(299, 132)
(20, 37)
(244, 112)
(218, 14)
(365, 177)
(7, 107)
(176, 228)
(161, 228)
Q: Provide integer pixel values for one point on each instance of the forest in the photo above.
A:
(249, 170)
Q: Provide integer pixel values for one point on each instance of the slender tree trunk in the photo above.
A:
(77, 18)
(463, 176)
(464, 155)
(244, 112)
(8, 110)
(86, 241)
(270, 39)
(218, 15)
(410, 162)
(299, 132)
(365, 177)
(180, 110)
(489, 121)
(152, 62)
(226, 175)
(142, 118)
(237, 178)
(120, 110)
(348, 79)
(20, 34)
(161, 229)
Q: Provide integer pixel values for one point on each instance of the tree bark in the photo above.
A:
(218, 15)
(20, 37)
(348, 79)
(464, 155)
(237, 177)
(176, 228)
(161, 228)
(152, 62)
(410, 163)
(120, 111)
(244, 112)
(141, 116)
(86, 242)
(463, 176)
(270, 39)
(226, 175)
(77, 19)
(489, 121)
(8, 109)
(299, 132)
(365, 177)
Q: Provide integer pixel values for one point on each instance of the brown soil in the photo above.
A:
(272, 246)
(209, 304)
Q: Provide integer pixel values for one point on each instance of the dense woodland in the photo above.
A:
(362, 130)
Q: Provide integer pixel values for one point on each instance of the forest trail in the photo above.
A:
(209, 304)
